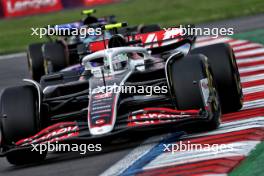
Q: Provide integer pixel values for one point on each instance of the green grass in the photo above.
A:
(15, 34)
(254, 36)
(253, 165)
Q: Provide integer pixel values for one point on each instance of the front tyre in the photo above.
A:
(55, 57)
(19, 119)
(225, 71)
(185, 75)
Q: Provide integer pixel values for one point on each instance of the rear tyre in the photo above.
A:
(19, 119)
(224, 67)
(35, 61)
(55, 58)
(185, 75)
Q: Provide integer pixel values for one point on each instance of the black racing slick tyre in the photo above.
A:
(19, 119)
(185, 75)
(35, 61)
(224, 67)
(55, 57)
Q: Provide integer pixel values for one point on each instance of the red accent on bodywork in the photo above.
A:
(56, 132)
(193, 111)
(100, 122)
(103, 115)
(102, 95)
(154, 116)
(149, 40)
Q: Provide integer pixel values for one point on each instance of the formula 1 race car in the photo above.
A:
(67, 50)
(191, 87)
(55, 55)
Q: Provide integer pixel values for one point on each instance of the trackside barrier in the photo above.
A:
(20, 8)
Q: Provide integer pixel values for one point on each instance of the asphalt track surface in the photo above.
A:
(14, 69)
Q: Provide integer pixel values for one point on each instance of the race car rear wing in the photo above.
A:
(157, 41)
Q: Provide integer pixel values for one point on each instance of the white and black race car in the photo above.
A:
(191, 87)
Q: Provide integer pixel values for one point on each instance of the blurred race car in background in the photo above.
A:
(201, 84)
(57, 54)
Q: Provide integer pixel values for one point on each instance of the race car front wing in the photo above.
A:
(144, 119)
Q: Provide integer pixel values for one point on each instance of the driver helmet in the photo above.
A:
(119, 62)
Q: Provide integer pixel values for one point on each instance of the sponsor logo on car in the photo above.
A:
(99, 121)
(102, 96)
(102, 111)
(155, 118)
(101, 107)
(53, 136)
